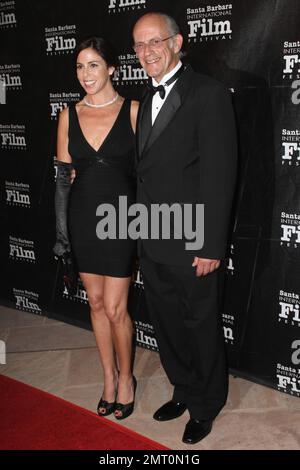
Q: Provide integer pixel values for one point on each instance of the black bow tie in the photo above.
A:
(160, 88)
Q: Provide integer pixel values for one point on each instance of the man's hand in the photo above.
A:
(205, 266)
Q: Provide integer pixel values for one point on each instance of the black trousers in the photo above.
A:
(184, 311)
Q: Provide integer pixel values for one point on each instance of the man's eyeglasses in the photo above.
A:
(139, 47)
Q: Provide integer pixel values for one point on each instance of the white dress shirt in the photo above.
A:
(157, 101)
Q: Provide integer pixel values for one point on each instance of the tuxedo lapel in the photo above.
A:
(168, 110)
(144, 123)
(147, 136)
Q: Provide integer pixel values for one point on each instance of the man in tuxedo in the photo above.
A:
(186, 154)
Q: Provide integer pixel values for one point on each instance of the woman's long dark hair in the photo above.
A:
(102, 46)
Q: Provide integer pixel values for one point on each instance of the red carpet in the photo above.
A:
(31, 419)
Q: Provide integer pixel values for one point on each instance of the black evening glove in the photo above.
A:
(63, 186)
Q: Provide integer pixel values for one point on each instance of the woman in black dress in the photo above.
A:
(95, 153)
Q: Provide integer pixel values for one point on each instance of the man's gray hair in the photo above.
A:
(173, 28)
(171, 24)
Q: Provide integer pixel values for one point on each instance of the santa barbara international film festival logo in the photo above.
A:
(209, 23)
(60, 100)
(290, 141)
(7, 15)
(10, 77)
(120, 6)
(145, 334)
(17, 194)
(21, 250)
(60, 39)
(291, 60)
(27, 300)
(138, 279)
(291, 68)
(129, 71)
(289, 308)
(228, 326)
(290, 230)
(80, 295)
(13, 136)
(230, 261)
(288, 376)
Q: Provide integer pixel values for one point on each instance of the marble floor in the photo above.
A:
(63, 360)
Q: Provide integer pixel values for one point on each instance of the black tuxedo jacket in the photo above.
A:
(188, 156)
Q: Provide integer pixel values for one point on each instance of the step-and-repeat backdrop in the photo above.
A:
(253, 47)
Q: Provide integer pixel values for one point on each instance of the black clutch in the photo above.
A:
(70, 272)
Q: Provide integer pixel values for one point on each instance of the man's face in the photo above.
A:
(156, 60)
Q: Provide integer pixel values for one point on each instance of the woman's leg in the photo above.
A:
(115, 305)
(94, 286)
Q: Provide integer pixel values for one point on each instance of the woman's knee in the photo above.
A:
(96, 302)
(115, 312)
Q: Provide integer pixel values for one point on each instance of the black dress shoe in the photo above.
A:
(196, 430)
(169, 410)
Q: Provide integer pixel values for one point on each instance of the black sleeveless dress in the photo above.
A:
(101, 177)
